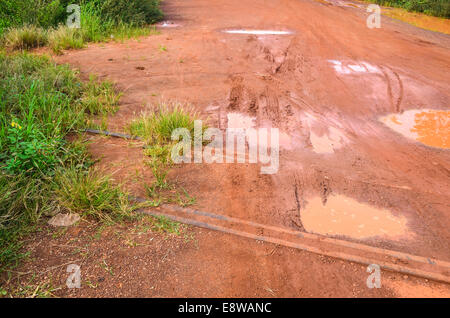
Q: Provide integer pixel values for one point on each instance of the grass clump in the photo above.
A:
(157, 127)
(24, 38)
(64, 38)
(90, 193)
(100, 98)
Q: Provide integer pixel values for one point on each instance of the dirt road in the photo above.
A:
(342, 96)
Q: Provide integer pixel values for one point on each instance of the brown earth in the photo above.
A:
(330, 80)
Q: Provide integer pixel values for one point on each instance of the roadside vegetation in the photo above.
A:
(27, 24)
(156, 128)
(41, 172)
(438, 8)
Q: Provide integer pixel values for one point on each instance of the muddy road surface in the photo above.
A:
(363, 117)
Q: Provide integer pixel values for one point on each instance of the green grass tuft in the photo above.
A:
(157, 127)
(91, 193)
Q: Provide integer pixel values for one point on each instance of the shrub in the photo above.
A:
(41, 13)
(28, 150)
(440, 8)
(137, 12)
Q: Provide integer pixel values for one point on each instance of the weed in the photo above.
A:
(164, 224)
(107, 268)
(185, 199)
(99, 98)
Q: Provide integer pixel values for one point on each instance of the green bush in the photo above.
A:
(99, 18)
(28, 150)
(439, 8)
(41, 13)
(136, 12)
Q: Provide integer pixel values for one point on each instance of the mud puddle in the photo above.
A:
(259, 32)
(168, 24)
(345, 216)
(429, 127)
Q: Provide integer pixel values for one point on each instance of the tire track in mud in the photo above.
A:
(395, 105)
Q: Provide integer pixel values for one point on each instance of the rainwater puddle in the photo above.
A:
(428, 126)
(168, 24)
(258, 32)
(344, 216)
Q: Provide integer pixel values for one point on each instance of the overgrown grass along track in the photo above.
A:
(41, 172)
(25, 24)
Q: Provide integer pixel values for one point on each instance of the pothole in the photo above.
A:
(428, 126)
(168, 24)
(344, 216)
(259, 32)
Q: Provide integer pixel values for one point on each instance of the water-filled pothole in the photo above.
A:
(168, 24)
(428, 126)
(344, 216)
(258, 32)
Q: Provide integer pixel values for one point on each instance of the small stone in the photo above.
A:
(64, 219)
(405, 276)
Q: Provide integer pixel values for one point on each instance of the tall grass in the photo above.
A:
(100, 21)
(25, 38)
(41, 173)
(157, 127)
(90, 193)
